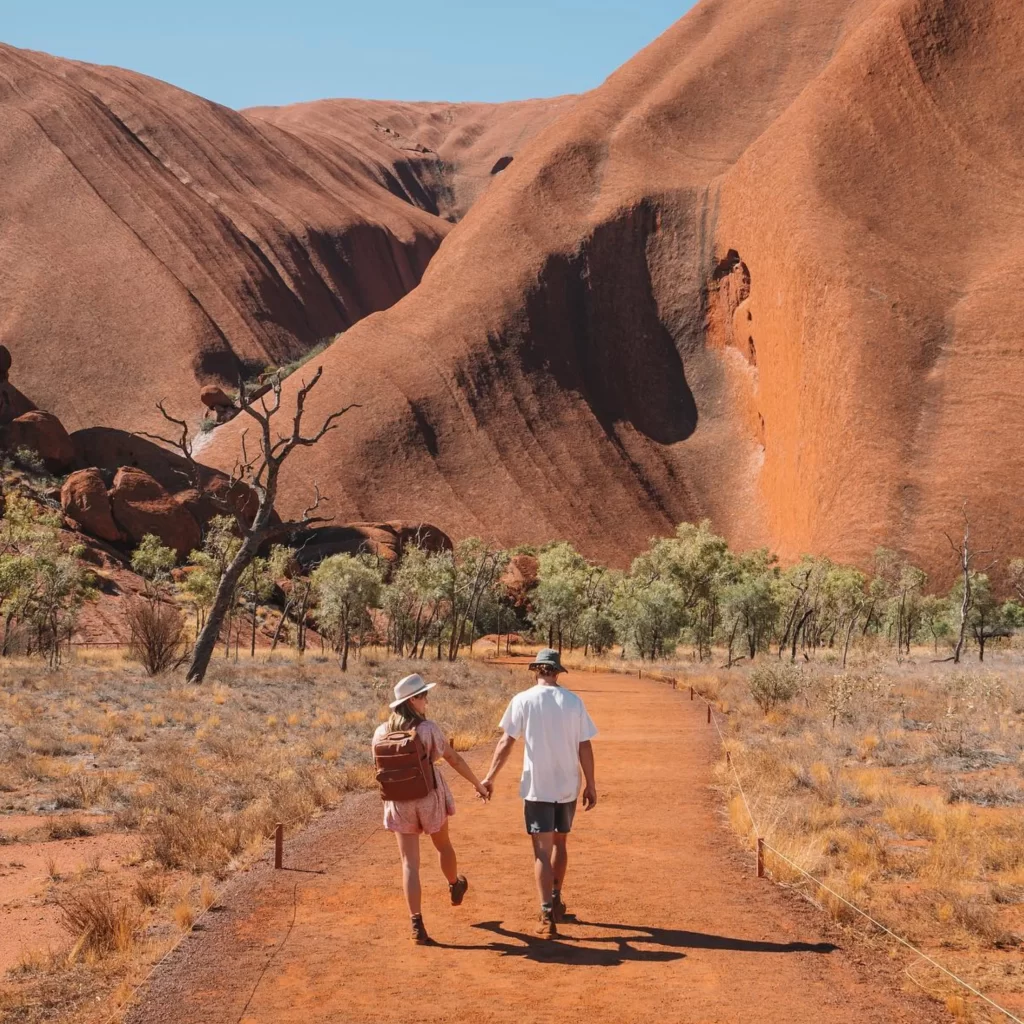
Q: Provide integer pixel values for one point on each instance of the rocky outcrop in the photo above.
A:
(387, 541)
(766, 273)
(242, 239)
(519, 579)
(44, 434)
(84, 500)
(141, 505)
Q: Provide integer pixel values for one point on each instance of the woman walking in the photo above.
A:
(409, 738)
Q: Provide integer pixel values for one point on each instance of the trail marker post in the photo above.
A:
(278, 847)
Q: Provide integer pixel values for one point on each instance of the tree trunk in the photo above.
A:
(344, 651)
(252, 646)
(222, 604)
(280, 625)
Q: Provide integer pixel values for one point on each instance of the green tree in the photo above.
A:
(152, 561)
(346, 588)
(936, 620)
(751, 602)
(561, 595)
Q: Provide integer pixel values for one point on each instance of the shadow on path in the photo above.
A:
(615, 950)
(702, 940)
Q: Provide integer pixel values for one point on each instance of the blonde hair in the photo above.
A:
(404, 718)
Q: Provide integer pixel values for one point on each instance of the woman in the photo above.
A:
(429, 814)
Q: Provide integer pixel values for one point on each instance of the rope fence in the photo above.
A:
(764, 846)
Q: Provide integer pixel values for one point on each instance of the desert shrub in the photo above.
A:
(773, 685)
(157, 634)
(100, 923)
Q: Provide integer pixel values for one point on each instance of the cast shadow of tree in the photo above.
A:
(615, 950)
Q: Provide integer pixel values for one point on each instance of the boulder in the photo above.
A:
(5, 363)
(141, 505)
(84, 499)
(519, 578)
(13, 403)
(214, 397)
(387, 541)
(42, 432)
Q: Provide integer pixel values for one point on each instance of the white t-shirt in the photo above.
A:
(554, 723)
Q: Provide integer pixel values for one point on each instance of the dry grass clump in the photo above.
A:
(100, 923)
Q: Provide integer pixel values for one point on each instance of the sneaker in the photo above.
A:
(558, 910)
(546, 928)
(419, 932)
(457, 890)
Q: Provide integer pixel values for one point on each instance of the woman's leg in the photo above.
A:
(409, 848)
(446, 854)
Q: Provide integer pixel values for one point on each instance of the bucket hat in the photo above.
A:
(547, 658)
(410, 686)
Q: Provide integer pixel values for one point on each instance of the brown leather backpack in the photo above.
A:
(404, 771)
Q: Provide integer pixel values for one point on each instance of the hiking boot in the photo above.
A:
(546, 928)
(419, 932)
(457, 890)
(558, 909)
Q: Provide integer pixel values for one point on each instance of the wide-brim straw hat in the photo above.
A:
(410, 686)
(547, 658)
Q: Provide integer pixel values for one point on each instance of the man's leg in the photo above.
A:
(559, 860)
(543, 843)
(559, 866)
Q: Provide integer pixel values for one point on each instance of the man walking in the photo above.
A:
(556, 731)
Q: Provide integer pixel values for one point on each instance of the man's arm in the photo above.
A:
(501, 754)
(587, 764)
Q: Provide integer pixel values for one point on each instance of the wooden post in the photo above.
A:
(728, 758)
(639, 673)
(278, 846)
(691, 693)
(760, 858)
(709, 714)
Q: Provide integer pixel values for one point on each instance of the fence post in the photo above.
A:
(709, 714)
(278, 846)
(760, 857)
(691, 693)
(639, 673)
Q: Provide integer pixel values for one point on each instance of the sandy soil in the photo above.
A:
(29, 917)
(670, 923)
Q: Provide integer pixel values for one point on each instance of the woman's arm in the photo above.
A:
(458, 762)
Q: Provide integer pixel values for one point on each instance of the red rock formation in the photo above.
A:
(385, 540)
(519, 578)
(141, 505)
(198, 237)
(44, 434)
(214, 397)
(765, 273)
(84, 499)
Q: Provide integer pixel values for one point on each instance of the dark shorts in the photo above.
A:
(545, 817)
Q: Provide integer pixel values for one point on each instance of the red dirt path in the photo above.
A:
(671, 924)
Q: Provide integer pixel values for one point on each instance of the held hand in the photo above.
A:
(484, 790)
(589, 798)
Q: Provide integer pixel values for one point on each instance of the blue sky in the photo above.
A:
(257, 51)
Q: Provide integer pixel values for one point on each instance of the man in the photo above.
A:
(557, 732)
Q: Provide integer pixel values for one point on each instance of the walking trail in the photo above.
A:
(670, 922)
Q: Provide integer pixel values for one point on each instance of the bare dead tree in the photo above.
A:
(965, 557)
(259, 471)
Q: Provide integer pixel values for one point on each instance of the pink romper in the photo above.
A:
(429, 813)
